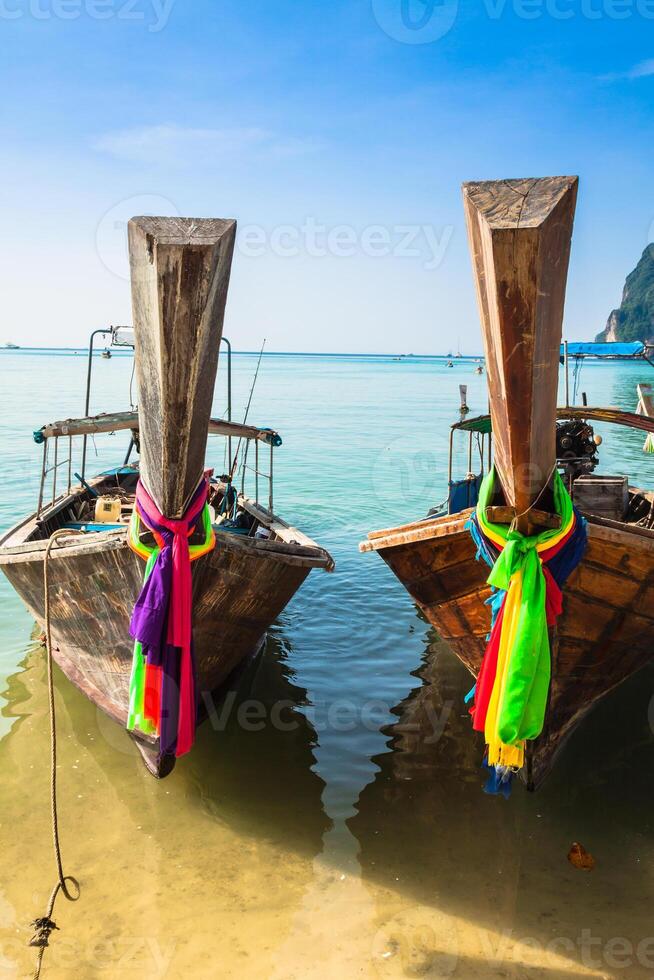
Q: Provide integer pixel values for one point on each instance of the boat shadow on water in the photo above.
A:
(486, 887)
(253, 761)
(254, 752)
(457, 883)
(164, 867)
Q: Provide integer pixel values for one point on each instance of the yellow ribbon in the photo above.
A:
(500, 754)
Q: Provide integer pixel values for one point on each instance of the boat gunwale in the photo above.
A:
(305, 551)
(116, 539)
(453, 524)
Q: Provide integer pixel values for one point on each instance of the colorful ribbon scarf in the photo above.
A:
(163, 686)
(527, 576)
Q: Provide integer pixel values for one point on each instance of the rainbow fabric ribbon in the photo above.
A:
(527, 574)
(162, 690)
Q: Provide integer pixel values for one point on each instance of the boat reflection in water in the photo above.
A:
(468, 885)
(217, 859)
(262, 776)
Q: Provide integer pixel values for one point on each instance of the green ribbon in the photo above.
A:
(521, 713)
(562, 506)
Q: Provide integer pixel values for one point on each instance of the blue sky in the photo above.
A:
(337, 134)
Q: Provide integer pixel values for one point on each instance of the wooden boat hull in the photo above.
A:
(603, 635)
(239, 590)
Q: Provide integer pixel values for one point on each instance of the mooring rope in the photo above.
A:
(45, 925)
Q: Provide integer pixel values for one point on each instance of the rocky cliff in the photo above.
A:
(634, 318)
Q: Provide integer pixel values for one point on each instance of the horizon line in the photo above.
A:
(126, 351)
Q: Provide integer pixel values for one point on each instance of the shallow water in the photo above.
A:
(339, 830)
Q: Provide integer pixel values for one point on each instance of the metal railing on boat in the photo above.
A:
(122, 421)
(123, 336)
(258, 473)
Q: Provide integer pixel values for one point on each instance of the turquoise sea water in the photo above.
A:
(352, 839)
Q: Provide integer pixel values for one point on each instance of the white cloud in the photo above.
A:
(643, 69)
(172, 144)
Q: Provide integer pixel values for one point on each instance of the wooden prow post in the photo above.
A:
(180, 273)
(519, 233)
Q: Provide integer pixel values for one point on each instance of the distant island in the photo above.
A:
(634, 318)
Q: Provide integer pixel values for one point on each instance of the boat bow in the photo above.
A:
(180, 271)
(519, 233)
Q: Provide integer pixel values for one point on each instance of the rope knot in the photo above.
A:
(44, 927)
(176, 527)
(520, 542)
(515, 555)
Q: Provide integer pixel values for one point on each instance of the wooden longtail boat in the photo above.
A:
(519, 233)
(180, 273)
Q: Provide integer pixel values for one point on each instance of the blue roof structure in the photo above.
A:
(604, 350)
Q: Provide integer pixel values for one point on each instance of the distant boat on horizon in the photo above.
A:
(10, 346)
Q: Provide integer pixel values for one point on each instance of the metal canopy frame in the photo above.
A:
(117, 341)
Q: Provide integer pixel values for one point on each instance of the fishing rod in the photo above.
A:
(247, 412)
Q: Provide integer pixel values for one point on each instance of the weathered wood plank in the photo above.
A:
(420, 531)
(538, 519)
(435, 522)
(614, 416)
(604, 496)
(113, 422)
(130, 420)
(519, 233)
(180, 273)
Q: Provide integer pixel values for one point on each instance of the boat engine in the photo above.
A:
(576, 448)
